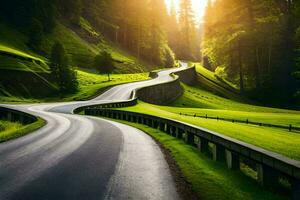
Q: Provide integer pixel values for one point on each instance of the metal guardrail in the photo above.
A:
(16, 116)
(269, 164)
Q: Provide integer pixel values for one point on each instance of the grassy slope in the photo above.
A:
(90, 84)
(277, 140)
(197, 100)
(80, 51)
(210, 180)
(11, 130)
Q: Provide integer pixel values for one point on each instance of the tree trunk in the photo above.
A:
(241, 68)
(256, 70)
(270, 54)
(108, 77)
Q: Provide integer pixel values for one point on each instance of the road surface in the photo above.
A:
(82, 157)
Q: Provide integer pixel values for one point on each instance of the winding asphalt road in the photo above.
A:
(82, 157)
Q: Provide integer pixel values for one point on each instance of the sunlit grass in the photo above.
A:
(11, 130)
(274, 139)
(210, 180)
(92, 84)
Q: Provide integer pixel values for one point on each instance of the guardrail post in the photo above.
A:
(150, 122)
(155, 124)
(9, 116)
(168, 129)
(162, 126)
(139, 119)
(190, 138)
(203, 145)
(232, 160)
(295, 189)
(218, 153)
(179, 133)
(145, 121)
(173, 129)
(22, 119)
(123, 116)
(267, 176)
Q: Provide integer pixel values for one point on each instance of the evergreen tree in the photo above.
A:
(64, 75)
(104, 64)
(187, 25)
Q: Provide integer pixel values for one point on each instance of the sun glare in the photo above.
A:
(198, 6)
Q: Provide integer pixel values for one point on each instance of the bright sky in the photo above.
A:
(198, 6)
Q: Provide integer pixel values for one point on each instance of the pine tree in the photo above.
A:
(187, 29)
(104, 63)
(64, 75)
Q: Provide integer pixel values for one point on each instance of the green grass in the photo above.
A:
(11, 130)
(15, 43)
(10, 63)
(20, 53)
(199, 101)
(92, 84)
(80, 51)
(211, 82)
(210, 180)
(273, 139)
(213, 77)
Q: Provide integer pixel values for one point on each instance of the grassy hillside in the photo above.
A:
(210, 180)
(90, 84)
(205, 99)
(82, 43)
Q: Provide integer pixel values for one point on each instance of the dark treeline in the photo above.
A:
(143, 27)
(256, 44)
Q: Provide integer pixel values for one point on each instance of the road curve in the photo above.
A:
(82, 157)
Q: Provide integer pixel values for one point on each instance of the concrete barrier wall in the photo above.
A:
(163, 94)
(188, 76)
(16, 116)
(269, 164)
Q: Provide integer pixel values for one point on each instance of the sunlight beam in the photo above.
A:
(198, 6)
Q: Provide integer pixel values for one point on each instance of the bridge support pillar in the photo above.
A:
(218, 153)
(232, 160)
(267, 176)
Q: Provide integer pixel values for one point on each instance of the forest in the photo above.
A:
(254, 44)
